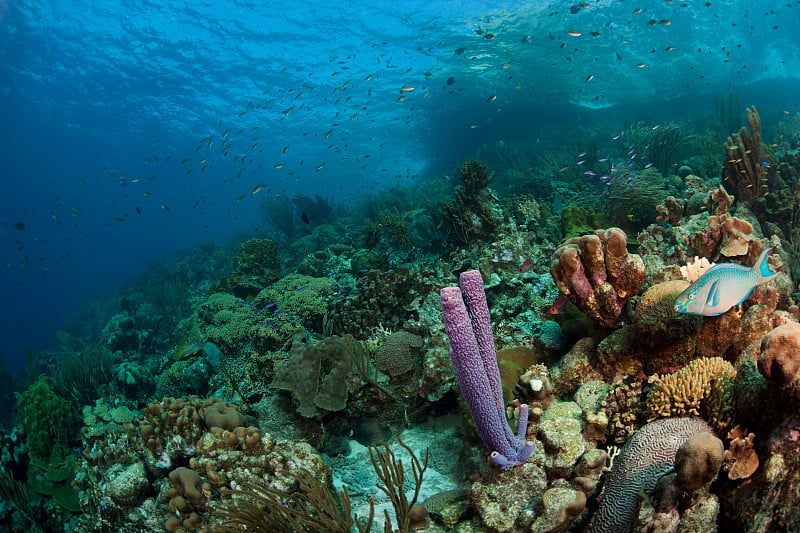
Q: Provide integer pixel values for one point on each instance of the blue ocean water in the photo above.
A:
(132, 130)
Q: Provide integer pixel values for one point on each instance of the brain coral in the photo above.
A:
(399, 353)
(681, 393)
(644, 459)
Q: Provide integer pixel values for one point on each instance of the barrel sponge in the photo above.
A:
(698, 460)
(779, 359)
(681, 393)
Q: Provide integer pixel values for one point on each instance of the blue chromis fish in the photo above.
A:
(723, 286)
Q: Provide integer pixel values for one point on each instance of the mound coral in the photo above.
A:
(598, 274)
(698, 460)
(399, 353)
(779, 359)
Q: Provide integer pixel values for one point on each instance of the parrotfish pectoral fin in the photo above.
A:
(713, 295)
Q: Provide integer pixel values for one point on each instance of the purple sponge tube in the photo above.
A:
(468, 325)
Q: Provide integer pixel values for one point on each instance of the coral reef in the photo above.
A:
(273, 397)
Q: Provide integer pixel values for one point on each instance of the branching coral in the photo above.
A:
(473, 214)
(311, 508)
(745, 171)
(390, 225)
(660, 146)
(684, 392)
(633, 193)
(391, 473)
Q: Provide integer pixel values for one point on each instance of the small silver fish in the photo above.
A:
(723, 286)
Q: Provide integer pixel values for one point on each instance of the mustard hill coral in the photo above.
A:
(598, 274)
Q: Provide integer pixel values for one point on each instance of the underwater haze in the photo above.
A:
(299, 266)
(132, 130)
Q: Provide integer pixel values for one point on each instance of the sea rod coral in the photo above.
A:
(467, 323)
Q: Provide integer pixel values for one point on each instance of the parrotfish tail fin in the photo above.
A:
(762, 266)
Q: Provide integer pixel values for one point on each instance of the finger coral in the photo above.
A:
(683, 393)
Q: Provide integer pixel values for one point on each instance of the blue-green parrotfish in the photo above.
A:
(723, 286)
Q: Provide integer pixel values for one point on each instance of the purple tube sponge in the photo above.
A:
(468, 325)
